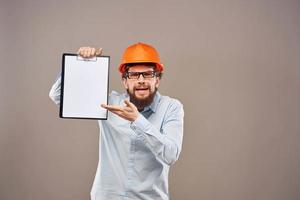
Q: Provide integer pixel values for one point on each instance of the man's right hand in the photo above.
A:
(89, 52)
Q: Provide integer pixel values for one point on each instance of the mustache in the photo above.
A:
(142, 86)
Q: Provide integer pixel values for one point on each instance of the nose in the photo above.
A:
(141, 78)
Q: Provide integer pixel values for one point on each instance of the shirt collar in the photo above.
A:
(154, 104)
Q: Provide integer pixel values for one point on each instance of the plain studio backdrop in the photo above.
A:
(235, 65)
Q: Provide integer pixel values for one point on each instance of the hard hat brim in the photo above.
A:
(122, 67)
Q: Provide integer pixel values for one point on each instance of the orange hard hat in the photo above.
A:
(140, 53)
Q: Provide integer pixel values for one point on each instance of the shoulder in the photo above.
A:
(171, 104)
(170, 100)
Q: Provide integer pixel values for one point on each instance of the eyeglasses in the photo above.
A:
(136, 75)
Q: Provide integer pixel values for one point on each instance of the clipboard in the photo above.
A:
(84, 87)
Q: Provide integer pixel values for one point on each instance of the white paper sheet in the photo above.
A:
(84, 87)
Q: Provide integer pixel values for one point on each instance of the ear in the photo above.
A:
(157, 82)
(124, 80)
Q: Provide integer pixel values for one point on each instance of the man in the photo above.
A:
(142, 136)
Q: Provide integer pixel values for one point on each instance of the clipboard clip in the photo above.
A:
(94, 59)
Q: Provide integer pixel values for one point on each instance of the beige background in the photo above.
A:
(234, 64)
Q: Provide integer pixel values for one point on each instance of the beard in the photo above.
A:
(141, 103)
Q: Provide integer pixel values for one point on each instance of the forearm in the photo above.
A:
(165, 145)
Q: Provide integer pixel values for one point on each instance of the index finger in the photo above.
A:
(112, 107)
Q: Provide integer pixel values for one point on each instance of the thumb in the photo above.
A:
(129, 104)
(98, 51)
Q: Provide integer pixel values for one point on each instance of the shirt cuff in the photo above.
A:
(140, 125)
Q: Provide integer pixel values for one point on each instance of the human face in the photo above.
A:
(141, 89)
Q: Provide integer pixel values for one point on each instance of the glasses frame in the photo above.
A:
(153, 74)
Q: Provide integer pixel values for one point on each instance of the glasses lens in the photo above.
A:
(133, 75)
(149, 74)
(136, 75)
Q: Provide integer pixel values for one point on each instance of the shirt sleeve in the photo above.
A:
(166, 143)
(54, 93)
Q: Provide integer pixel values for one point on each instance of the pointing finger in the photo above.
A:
(111, 107)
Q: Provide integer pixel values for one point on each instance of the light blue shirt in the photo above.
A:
(135, 157)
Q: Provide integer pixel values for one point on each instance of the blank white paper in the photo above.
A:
(85, 87)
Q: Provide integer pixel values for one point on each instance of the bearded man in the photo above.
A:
(142, 136)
